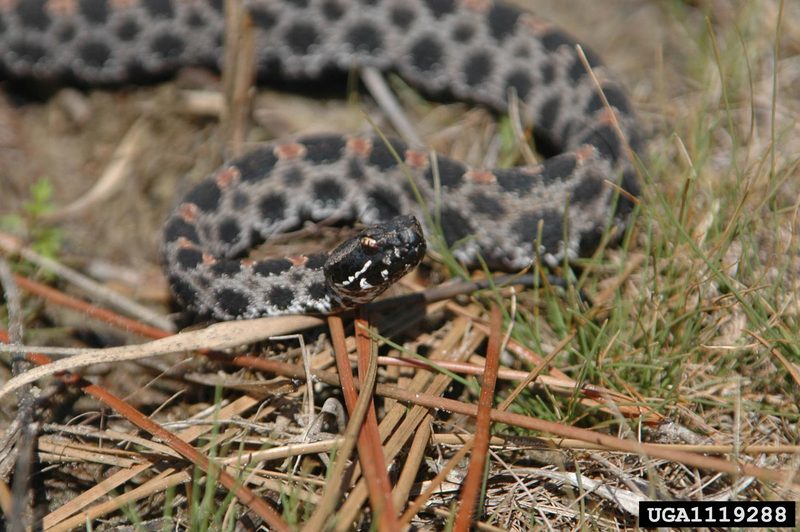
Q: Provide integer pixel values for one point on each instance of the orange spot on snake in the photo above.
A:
(227, 176)
(289, 150)
(482, 177)
(584, 153)
(189, 212)
(416, 159)
(185, 243)
(298, 260)
(62, 7)
(359, 146)
(481, 6)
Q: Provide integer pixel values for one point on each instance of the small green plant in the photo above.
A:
(44, 239)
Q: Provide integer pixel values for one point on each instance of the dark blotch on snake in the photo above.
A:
(265, 268)
(381, 157)
(232, 301)
(455, 226)
(514, 180)
(577, 70)
(184, 291)
(29, 52)
(317, 290)
(256, 164)
(521, 82)
(94, 53)
(477, 68)
(401, 16)
(328, 191)
(281, 297)
(226, 268)
(331, 10)
(484, 203)
(205, 195)
(559, 166)
(316, 260)
(128, 29)
(463, 33)
(195, 20)
(177, 228)
(229, 231)
(384, 200)
(188, 258)
(554, 39)
(451, 172)
(65, 33)
(323, 148)
(427, 54)
(549, 113)
(167, 46)
(159, 8)
(604, 138)
(272, 207)
(440, 8)
(587, 191)
(364, 37)
(301, 36)
(502, 19)
(95, 11)
(615, 99)
(263, 18)
(552, 231)
(33, 15)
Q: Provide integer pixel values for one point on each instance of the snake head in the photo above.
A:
(365, 265)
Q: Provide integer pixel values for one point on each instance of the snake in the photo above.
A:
(482, 52)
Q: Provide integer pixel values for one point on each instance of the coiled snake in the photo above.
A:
(474, 50)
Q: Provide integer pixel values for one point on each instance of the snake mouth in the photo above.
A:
(367, 264)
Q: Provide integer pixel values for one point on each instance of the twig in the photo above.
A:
(367, 353)
(477, 463)
(378, 492)
(12, 246)
(244, 494)
(238, 74)
(218, 336)
(113, 178)
(60, 298)
(377, 87)
(27, 427)
(333, 487)
(601, 440)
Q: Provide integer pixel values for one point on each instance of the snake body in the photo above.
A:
(477, 51)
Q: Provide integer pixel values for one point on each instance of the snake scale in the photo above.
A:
(477, 51)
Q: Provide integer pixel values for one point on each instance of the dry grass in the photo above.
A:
(688, 339)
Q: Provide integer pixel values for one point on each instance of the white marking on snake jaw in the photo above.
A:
(364, 284)
(351, 278)
(385, 274)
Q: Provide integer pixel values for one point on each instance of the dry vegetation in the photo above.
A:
(685, 337)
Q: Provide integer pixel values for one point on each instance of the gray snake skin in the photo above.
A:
(472, 50)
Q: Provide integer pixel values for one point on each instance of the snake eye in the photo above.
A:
(369, 244)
